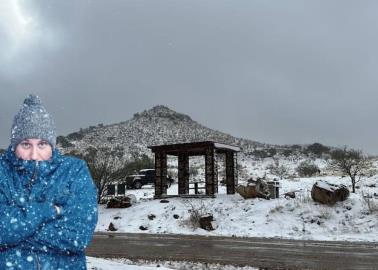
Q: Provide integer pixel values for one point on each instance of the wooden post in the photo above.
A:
(215, 171)
(183, 174)
(230, 172)
(209, 171)
(158, 191)
(160, 174)
(164, 185)
(196, 188)
(236, 170)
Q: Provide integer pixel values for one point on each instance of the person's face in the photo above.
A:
(34, 149)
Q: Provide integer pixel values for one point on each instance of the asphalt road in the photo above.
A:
(258, 252)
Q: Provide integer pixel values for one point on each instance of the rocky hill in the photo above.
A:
(159, 125)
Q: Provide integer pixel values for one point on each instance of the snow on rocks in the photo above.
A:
(327, 193)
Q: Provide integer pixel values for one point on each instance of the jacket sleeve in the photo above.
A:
(73, 231)
(20, 220)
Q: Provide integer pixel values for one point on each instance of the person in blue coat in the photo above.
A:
(48, 202)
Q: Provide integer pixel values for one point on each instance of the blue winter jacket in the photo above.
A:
(32, 234)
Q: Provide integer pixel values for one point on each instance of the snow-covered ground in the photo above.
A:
(124, 264)
(292, 218)
(103, 264)
(298, 218)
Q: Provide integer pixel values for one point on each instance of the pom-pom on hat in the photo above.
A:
(33, 121)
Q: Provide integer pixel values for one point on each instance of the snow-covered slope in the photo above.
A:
(161, 125)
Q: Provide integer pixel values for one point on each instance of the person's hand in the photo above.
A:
(60, 201)
(59, 210)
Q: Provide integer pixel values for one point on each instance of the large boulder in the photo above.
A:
(254, 189)
(327, 193)
(121, 202)
(290, 194)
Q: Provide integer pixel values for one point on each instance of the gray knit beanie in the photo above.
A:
(33, 121)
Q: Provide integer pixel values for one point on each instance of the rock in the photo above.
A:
(143, 228)
(117, 217)
(205, 223)
(151, 217)
(290, 195)
(164, 201)
(327, 193)
(175, 216)
(112, 228)
(256, 189)
(119, 202)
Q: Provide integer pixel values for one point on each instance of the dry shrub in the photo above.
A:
(197, 209)
(371, 203)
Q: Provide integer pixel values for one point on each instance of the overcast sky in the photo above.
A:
(280, 72)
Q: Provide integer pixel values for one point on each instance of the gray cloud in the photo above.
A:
(278, 72)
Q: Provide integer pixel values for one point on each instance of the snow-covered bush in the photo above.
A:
(307, 169)
(317, 149)
(280, 170)
(303, 198)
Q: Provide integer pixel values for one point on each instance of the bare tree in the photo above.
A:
(351, 162)
(108, 164)
(104, 164)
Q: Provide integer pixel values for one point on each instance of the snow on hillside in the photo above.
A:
(159, 125)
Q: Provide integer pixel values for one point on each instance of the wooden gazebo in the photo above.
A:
(185, 150)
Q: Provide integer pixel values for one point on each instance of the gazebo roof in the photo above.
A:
(194, 148)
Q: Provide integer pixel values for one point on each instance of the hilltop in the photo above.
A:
(161, 125)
